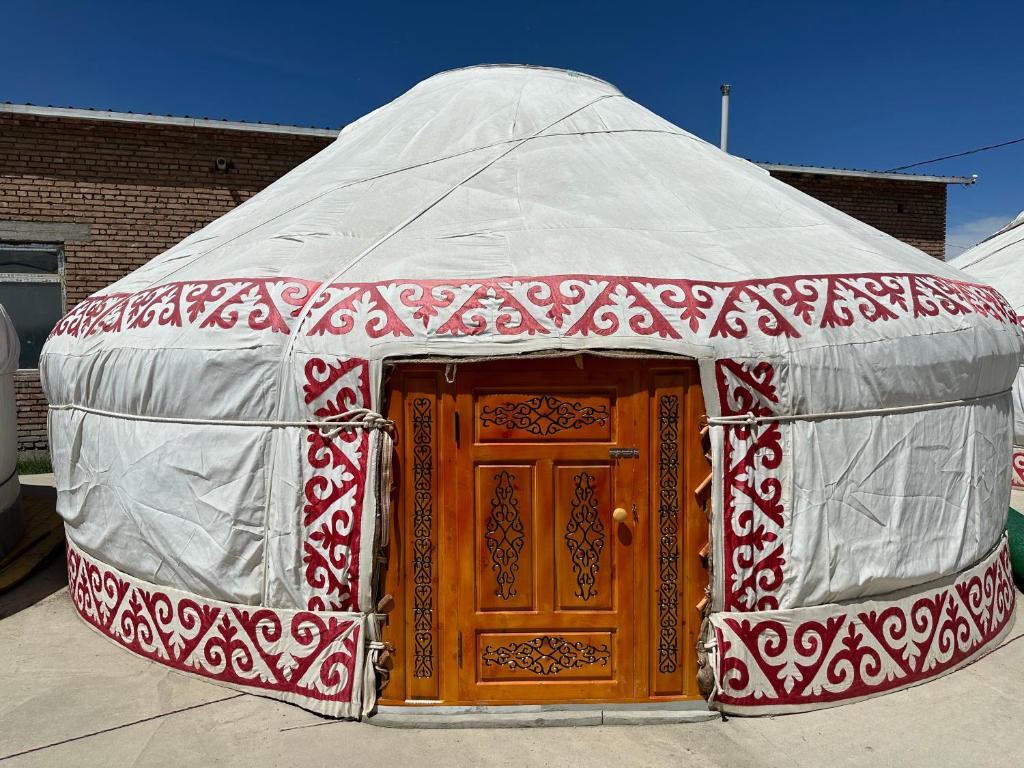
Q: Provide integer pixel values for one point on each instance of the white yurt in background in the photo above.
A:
(11, 518)
(438, 407)
(999, 261)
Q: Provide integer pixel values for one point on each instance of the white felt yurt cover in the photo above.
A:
(999, 261)
(11, 523)
(504, 210)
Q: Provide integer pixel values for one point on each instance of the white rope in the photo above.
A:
(330, 426)
(750, 419)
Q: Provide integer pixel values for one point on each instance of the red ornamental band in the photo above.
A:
(300, 656)
(559, 305)
(806, 658)
(752, 511)
(334, 484)
(1017, 469)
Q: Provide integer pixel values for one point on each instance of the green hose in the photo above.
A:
(1015, 532)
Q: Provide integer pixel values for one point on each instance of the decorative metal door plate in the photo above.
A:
(623, 453)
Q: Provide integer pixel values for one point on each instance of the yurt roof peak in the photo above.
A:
(533, 68)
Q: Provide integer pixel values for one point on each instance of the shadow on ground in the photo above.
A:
(49, 575)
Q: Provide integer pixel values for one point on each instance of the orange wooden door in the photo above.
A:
(546, 574)
(512, 581)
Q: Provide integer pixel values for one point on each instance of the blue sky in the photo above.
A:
(867, 85)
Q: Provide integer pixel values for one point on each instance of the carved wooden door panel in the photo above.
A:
(511, 580)
(546, 574)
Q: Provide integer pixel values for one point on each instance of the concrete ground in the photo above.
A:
(69, 697)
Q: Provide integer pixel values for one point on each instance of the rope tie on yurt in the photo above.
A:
(751, 419)
(329, 426)
(380, 468)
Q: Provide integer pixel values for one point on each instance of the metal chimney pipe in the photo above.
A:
(726, 88)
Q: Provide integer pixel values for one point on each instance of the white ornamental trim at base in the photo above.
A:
(308, 658)
(776, 662)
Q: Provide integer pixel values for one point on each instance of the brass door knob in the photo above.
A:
(619, 515)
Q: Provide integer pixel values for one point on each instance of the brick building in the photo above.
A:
(909, 207)
(88, 196)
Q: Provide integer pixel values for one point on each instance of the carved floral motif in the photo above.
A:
(584, 535)
(422, 532)
(544, 415)
(546, 655)
(504, 535)
(669, 509)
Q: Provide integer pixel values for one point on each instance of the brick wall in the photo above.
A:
(140, 187)
(31, 411)
(912, 211)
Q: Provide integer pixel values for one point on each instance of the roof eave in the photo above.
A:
(180, 122)
(818, 171)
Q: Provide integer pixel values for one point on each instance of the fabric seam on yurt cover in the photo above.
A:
(517, 141)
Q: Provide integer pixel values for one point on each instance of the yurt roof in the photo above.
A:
(515, 170)
(999, 261)
(513, 209)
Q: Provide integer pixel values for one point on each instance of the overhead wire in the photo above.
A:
(974, 151)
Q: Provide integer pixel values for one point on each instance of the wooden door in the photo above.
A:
(546, 574)
(513, 582)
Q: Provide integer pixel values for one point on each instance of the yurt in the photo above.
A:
(11, 519)
(999, 261)
(518, 393)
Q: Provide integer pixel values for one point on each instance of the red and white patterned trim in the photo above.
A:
(306, 658)
(1017, 468)
(334, 485)
(808, 658)
(558, 305)
(752, 508)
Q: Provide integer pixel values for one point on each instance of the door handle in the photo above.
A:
(620, 515)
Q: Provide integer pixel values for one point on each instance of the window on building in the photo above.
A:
(32, 292)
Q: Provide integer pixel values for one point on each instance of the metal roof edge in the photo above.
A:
(180, 122)
(819, 171)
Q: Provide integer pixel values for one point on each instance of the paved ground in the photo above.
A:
(68, 697)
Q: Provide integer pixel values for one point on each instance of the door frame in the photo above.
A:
(421, 459)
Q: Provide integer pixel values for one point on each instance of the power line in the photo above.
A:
(958, 154)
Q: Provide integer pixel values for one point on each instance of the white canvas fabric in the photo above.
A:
(999, 261)
(11, 523)
(510, 210)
